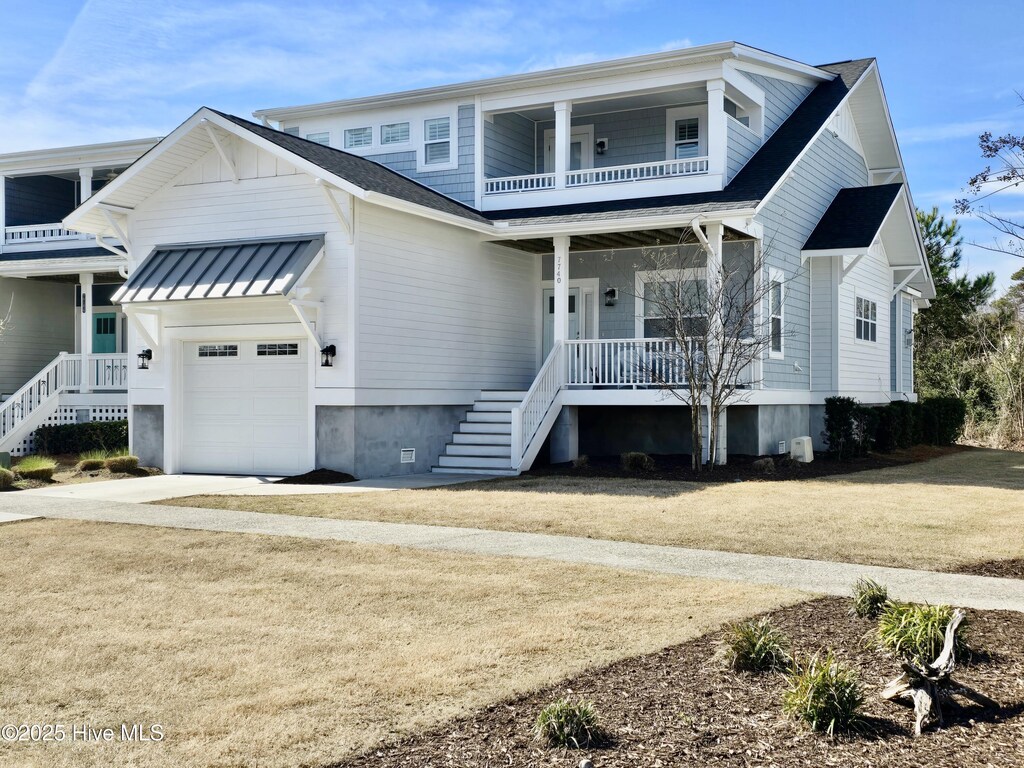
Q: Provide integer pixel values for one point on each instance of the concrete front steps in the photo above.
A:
(483, 443)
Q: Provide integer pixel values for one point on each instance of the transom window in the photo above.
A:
(867, 320)
(358, 137)
(687, 138)
(394, 133)
(218, 350)
(319, 138)
(277, 350)
(437, 146)
(775, 310)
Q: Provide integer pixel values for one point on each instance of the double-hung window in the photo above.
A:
(394, 133)
(867, 320)
(687, 138)
(775, 313)
(319, 138)
(437, 145)
(674, 303)
(358, 137)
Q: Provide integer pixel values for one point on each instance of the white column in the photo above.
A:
(561, 277)
(563, 134)
(85, 329)
(716, 127)
(3, 213)
(85, 179)
(722, 448)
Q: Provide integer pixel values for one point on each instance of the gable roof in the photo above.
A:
(853, 218)
(766, 168)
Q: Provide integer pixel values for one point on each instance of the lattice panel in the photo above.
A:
(68, 414)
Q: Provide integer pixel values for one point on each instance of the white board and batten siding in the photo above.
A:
(439, 310)
(864, 365)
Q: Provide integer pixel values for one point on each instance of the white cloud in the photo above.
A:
(949, 131)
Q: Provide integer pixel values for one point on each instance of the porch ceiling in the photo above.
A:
(609, 241)
(110, 278)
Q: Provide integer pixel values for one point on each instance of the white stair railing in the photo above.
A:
(62, 373)
(528, 417)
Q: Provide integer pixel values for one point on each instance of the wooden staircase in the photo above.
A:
(483, 443)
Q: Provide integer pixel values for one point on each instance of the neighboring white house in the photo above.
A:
(424, 279)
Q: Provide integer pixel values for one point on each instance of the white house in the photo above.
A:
(428, 279)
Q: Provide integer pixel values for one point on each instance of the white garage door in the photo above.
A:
(244, 407)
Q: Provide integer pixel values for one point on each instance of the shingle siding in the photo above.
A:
(509, 146)
(741, 144)
(789, 217)
(636, 136)
(38, 200)
(781, 97)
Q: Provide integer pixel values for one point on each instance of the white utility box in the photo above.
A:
(801, 449)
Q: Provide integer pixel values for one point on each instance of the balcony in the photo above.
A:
(35, 234)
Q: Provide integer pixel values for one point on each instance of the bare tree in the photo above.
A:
(5, 319)
(719, 315)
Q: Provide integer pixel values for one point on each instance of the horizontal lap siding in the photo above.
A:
(864, 365)
(894, 325)
(38, 200)
(508, 146)
(741, 144)
(781, 97)
(636, 136)
(458, 183)
(439, 309)
(789, 218)
(908, 352)
(42, 325)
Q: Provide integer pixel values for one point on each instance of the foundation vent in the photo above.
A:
(782, 447)
(408, 455)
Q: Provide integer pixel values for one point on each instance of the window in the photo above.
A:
(394, 133)
(277, 350)
(736, 112)
(687, 138)
(218, 350)
(437, 147)
(867, 320)
(319, 138)
(358, 137)
(293, 131)
(775, 314)
(673, 302)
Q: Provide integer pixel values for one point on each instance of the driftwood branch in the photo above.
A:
(924, 687)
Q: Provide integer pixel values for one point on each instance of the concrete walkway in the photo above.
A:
(142, 490)
(808, 575)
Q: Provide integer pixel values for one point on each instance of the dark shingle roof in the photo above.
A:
(365, 174)
(750, 185)
(853, 218)
(67, 253)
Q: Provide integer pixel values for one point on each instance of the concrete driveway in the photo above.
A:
(141, 490)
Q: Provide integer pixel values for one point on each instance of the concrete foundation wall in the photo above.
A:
(742, 430)
(780, 422)
(367, 441)
(147, 432)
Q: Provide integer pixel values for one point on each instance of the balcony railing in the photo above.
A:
(630, 364)
(587, 177)
(39, 233)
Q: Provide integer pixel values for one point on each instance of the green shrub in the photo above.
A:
(90, 461)
(917, 632)
(824, 694)
(849, 427)
(942, 420)
(581, 462)
(566, 723)
(6, 479)
(77, 438)
(757, 646)
(895, 426)
(869, 598)
(637, 461)
(123, 463)
(36, 468)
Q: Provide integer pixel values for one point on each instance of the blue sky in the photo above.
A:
(103, 70)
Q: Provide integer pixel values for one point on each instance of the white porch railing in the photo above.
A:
(529, 183)
(637, 172)
(106, 372)
(39, 233)
(528, 417)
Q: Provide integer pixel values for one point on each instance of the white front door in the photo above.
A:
(549, 317)
(244, 407)
(581, 149)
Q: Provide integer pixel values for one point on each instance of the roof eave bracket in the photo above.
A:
(300, 307)
(221, 150)
(914, 271)
(104, 244)
(848, 268)
(345, 218)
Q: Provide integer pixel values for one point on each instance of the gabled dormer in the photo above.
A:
(669, 123)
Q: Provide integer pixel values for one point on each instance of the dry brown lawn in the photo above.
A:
(960, 508)
(257, 650)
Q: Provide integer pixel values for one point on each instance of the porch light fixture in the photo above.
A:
(327, 356)
(144, 357)
(601, 146)
(611, 296)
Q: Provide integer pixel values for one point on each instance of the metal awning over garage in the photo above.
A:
(222, 270)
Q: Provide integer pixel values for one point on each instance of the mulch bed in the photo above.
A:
(741, 468)
(682, 707)
(318, 477)
(1005, 569)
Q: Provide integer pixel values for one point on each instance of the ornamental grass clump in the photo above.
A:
(869, 598)
(570, 724)
(6, 479)
(757, 646)
(122, 463)
(916, 632)
(36, 468)
(825, 694)
(90, 461)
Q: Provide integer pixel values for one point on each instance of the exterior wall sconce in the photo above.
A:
(611, 296)
(144, 357)
(908, 338)
(601, 146)
(327, 356)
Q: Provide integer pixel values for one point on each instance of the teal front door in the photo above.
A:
(104, 333)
